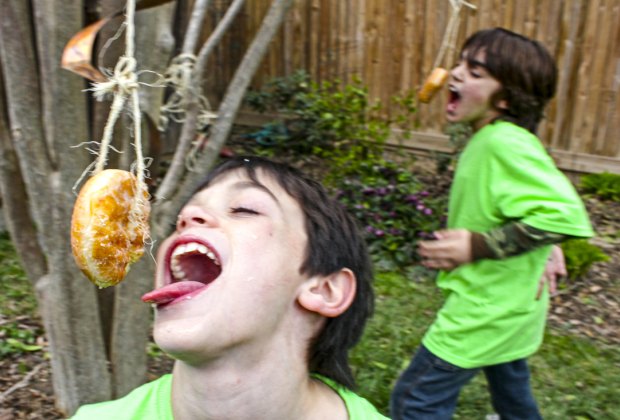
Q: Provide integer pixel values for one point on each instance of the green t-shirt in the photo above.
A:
(490, 314)
(152, 401)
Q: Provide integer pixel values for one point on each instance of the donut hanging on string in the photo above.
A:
(109, 225)
(439, 75)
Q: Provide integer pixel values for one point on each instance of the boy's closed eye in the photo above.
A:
(243, 210)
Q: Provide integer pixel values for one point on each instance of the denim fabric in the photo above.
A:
(429, 389)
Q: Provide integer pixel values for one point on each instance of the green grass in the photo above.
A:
(573, 378)
(16, 295)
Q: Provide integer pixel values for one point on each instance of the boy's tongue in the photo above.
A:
(171, 292)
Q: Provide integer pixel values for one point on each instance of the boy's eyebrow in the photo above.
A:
(477, 63)
(242, 185)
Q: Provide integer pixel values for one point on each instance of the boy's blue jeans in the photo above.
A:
(429, 389)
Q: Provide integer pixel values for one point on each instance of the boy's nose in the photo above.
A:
(457, 72)
(192, 216)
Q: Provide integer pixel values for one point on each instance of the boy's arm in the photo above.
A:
(511, 239)
(455, 247)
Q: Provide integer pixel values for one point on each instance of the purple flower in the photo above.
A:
(379, 233)
(428, 211)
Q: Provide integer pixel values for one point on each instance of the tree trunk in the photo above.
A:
(47, 114)
(67, 302)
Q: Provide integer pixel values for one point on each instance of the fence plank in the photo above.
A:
(392, 45)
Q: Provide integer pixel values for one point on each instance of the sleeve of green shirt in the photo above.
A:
(511, 239)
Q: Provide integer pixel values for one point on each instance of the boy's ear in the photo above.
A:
(502, 104)
(329, 295)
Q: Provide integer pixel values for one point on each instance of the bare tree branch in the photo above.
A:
(194, 28)
(188, 132)
(231, 103)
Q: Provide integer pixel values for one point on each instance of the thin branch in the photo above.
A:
(24, 382)
(194, 27)
(233, 97)
(188, 132)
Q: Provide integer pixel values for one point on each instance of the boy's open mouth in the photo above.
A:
(453, 99)
(191, 265)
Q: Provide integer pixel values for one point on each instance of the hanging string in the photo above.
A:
(452, 29)
(178, 76)
(123, 84)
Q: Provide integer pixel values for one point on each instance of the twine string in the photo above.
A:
(123, 85)
(450, 35)
(179, 77)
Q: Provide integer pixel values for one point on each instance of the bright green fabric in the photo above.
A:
(358, 407)
(490, 314)
(152, 401)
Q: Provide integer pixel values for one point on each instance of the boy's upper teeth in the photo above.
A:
(192, 248)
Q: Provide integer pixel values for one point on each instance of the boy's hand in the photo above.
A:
(556, 267)
(451, 249)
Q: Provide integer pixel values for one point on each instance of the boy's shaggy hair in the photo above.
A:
(525, 69)
(334, 242)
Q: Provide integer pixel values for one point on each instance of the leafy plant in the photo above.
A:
(318, 118)
(604, 185)
(393, 208)
(16, 294)
(15, 339)
(340, 124)
(580, 255)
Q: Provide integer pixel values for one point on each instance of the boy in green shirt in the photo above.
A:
(508, 205)
(260, 293)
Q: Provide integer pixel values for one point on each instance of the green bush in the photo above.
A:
(325, 118)
(340, 124)
(580, 255)
(394, 209)
(604, 185)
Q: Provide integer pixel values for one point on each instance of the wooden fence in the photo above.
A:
(392, 45)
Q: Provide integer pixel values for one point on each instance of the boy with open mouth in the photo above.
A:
(259, 294)
(509, 205)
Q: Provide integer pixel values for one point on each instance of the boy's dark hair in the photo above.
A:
(334, 242)
(525, 69)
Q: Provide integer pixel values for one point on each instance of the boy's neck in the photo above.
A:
(266, 388)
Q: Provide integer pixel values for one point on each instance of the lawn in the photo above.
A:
(573, 377)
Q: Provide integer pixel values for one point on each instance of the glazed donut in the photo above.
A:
(432, 84)
(109, 226)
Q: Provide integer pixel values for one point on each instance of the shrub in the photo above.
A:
(604, 185)
(394, 209)
(341, 125)
(580, 255)
(324, 119)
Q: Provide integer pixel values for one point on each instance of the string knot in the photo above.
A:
(122, 82)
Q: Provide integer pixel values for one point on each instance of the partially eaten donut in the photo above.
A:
(109, 226)
(432, 84)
